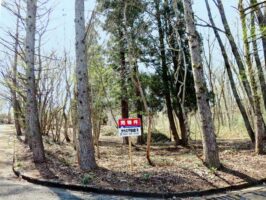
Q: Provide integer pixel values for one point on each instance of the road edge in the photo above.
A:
(83, 188)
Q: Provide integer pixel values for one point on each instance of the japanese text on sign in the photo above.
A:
(129, 127)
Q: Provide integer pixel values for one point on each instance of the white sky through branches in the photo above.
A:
(61, 30)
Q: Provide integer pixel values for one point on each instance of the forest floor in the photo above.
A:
(176, 169)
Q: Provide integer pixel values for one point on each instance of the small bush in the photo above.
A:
(213, 170)
(110, 133)
(146, 176)
(157, 137)
(19, 164)
(87, 178)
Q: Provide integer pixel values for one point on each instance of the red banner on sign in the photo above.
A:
(129, 122)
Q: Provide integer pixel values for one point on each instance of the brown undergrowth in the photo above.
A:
(176, 170)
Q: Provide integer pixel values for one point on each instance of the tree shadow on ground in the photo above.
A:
(228, 144)
(45, 171)
(111, 179)
(235, 173)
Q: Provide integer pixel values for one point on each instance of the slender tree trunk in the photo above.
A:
(123, 75)
(262, 23)
(14, 80)
(231, 78)
(179, 90)
(165, 77)
(85, 147)
(68, 95)
(74, 121)
(243, 76)
(139, 107)
(184, 128)
(32, 110)
(257, 109)
(9, 119)
(257, 59)
(136, 81)
(66, 127)
(182, 124)
(210, 148)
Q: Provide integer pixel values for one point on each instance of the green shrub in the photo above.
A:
(110, 133)
(157, 137)
(87, 178)
(146, 176)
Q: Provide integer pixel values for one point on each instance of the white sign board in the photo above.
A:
(129, 127)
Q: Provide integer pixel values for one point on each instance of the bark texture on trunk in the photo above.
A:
(210, 148)
(259, 124)
(240, 64)
(257, 59)
(74, 121)
(14, 81)
(262, 23)
(123, 76)
(139, 107)
(231, 77)
(178, 63)
(165, 78)
(32, 110)
(85, 144)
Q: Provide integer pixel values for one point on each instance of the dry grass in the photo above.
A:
(177, 169)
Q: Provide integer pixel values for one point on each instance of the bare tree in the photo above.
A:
(85, 141)
(230, 76)
(14, 77)
(259, 126)
(210, 148)
(32, 110)
(257, 58)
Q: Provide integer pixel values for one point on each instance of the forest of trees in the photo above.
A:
(155, 61)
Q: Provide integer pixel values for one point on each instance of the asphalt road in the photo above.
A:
(12, 188)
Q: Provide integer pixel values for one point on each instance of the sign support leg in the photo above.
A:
(130, 153)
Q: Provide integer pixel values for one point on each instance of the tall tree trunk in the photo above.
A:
(85, 147)
(240, 64)
(139, 107)
(14, 80)
(165, 77)
(9, 119)
(257, 109)
(66, 127)
(231, 78)
(123, 75)
(178, 62)
(136, 81)
(210, 148)
(257, 59)
(32, 110)
(74, 121)
(184, 128)
(262, 23)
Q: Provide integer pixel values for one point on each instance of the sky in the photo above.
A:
(61, 30)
